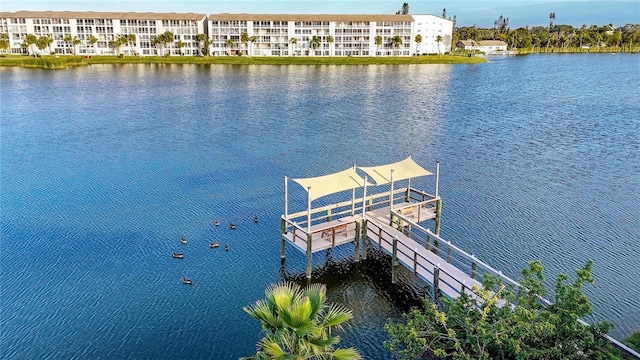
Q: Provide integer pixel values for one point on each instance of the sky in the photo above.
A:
(481, 13)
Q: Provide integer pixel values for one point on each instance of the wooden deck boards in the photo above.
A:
(322, 235)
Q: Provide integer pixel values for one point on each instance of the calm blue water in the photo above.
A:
(104, 168)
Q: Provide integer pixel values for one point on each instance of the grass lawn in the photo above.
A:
(65, 61)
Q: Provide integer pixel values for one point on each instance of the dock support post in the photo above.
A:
(309, 263)
(357, 242)
(436, 282)
(415, 261)
(449, 252)
(394, 260)
(328, 215)
(473, 267)
(283, 230)
(364, 239)
(437, 227)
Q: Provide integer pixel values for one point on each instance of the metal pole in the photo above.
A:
(364, 197)
(391, 192)
(286, 197)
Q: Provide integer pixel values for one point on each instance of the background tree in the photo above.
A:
(396, 41)
(252, 40)
(315, 43)
(404, 10)
(244, 38)
(74, 43)
(439, 41)
(201, 38)
(298, 323)
(293, 42)
(229, 44)
(331, 40)
(131, 41)
(418, 40)
(165, 39)
(44, 42)
(180, 44)
(68, 40)
(30, 41)
(466, 328)
(4, 42)
(378, 41)
(93, 40)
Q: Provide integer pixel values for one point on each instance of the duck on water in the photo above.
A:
(177, 256)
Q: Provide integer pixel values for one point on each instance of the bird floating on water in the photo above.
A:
(183, 240)
(226, 247)
(217, 222)
(232, 226)
(186, 281)
(255, 218)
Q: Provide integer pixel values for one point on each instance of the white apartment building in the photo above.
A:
(267, 34)
(429, 27)
(102, 28)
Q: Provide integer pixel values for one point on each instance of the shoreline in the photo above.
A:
(67, 61)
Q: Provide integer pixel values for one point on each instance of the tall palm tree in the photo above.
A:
(294, 42)
(68, 40)
(93, 40)
(166, 38)
(244, 39)
(315, 43)
(330, 40)
(252, 40)
(131, 40)
(439, 40)
(154, 42)
(4, 42)
(378, 41)
(75, 42)
(229, 44)
(396, 41)
(297, 323)
(418, 40)
(180, 44)
(30, 40)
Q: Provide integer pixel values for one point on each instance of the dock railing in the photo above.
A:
(474, 267)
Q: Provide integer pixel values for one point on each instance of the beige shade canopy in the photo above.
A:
(328, 184)
(402, 170)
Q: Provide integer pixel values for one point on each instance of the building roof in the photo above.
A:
(492, 43)
(309, 17)
(101, 15)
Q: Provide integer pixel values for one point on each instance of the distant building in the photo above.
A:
(267, 34)
(105, 27)
(489, 47)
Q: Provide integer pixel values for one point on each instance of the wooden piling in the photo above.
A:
(283, 230)
(328, 214)
(436, 281)
(438, 215)
(394, 260)
(364, 239)
(473, 268)
(309, 254)
(357, 242)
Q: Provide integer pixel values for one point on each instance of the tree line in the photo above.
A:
(555, 37)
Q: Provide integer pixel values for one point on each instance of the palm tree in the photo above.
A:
(297, 323)
(378, 42)
(229, 44)
(330, 40)
(201, 40)
(44, 42)
(252, 39)
(4, 42)
(418, 40)
(166, 38)
(131, 40)
(315, 43)
(68, 40)
(396, 41)
(180, 44)
(244, 38)
(30, 40)
(294, 42)
(438, 40)
(93, 40)
(154, 42)
(75, 42)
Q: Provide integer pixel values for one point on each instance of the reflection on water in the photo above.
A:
(104, 168)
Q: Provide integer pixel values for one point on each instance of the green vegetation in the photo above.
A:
(489, 328)
(633, 341)
(68, 61)
(298, 324)
(556, 38)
